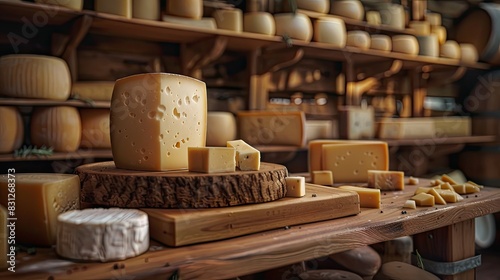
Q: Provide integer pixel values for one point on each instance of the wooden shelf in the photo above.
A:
(46, 102)
(80, 154)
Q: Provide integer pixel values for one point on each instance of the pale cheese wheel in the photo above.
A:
(450, 49)
(296, 26)
(421, 28)
(115, 7)
(58, 127)
(373, 18)
(102, 234)
(259, 22)
(441, 33)
(192, 9)
(76, 5)
(204, 23)
(98, 90)
(348, 8)
(428, 45)
(358, 38)
(95, 128)
(34, 76)
(11, 129)
(468, 53)
(229, 19)
(221, 127)
(146, 9)
(381, 42)
(320, 6)
(407, 44)
(330, 30)
(393, 15)
(433, 18)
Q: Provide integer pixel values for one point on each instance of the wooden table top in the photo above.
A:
(261, 251)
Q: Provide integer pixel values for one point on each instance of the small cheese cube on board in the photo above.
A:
(295, 186)
(423, 199)
(322, 177)
(410, 204)
(369, 198)
(247, 157)
(386, 180)
(211, 159)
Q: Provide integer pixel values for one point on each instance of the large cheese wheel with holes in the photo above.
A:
(259, 22)
(58, 127)
(192, 9)
(296, 26)
(320, 6)
(34, 76)
(70, 4)
(11, 129)
(95, 128)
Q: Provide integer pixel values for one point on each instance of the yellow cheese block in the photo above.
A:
(204, 23)
(229, 19)
(437, 197)
(369, 198)
(211, 159)
(40, 198)
(295, 26)
(447, 179)
(406, 128)
(192, 9)
(449, 196)
(322, 177)
(247, 157)
(34, 76)
(319, 6)
(4, 232)
(259, 22)
(115, 7)
(76, 5)
(359, 39)
(330, 30)
(98, 91)
(221, 127)
(146, 9)
(295, 186)
(95, 128)
(11, 129)
(386, 180)
(58, 127)
(154, 118)
(272, 127)
(466, 188)
(350, 162)
(423, 199)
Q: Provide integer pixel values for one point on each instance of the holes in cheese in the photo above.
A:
(369, 198)
(115, 7)
(386, 180)
(95, 128)
(102, 234)
(295, 186)
(322, 177)
(211, 159)
(58, 127)
(11, 129)
(154, 118)
(40, 198)
(34, 76)
(247, 157)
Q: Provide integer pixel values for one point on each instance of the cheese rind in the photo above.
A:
(11, 129)
(369, 198)
(386, 180)
(102, 234)
(322, 177)
(205, 23)
(247, 157)
(211, 159)
(154, 118)
(40, 198)
(295, 186)
(115, 7)
(95, 128)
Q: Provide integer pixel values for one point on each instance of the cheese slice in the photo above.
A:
(386, 180)
(466, 188)
(192, 9)
(357, 122)
(423, 199)
(368, 198)
(102, 234)
(98, 90)
(295, 186)
(350, 162)
(322, 177)
(211, 159)
(58, 127)
(11, 129)
(40, 198)
(95, 128)
(229, 19)
(247, 157)
(272, 127)
(146, 9)
(76, 5)
(204, 23)
(34, 76)
(115, 7)
(4, 232)
(154, 118)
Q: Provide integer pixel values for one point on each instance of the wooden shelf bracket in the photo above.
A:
(277, 59)
(197, 55)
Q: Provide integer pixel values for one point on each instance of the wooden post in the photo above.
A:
(419, 92)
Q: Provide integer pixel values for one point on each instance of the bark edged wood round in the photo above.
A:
(104, 184)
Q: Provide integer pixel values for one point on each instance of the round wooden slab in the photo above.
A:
(104, 184)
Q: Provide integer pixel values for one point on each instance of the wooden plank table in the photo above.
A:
(443, 233)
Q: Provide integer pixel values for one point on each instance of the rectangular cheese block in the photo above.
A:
(115, 7)
(368, 198)
(453, 126)
(97, 91)
(40, 198)
(247, 157)
(356, 122)
(386, 180)
(204, 23)
(4, 232)
(211, 159)
(350, 162)
(316, 152)
(295, 186)
(423, 199)
(320, 129)
(272, 127)
(406, 128)
(322, 177)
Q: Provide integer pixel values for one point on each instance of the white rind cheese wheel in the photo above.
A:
(331, 31)
(359, 39)
(393, 15)
(407, 44)
(115, 7)
(11, 129)
(95, 128)
(221, 127)
(296, 26)
(192, 9)
(348, 8)
(58, 127)
(154, 118)
(102, 234)
(229, 19)
(146, 9)
(381, 42)
(259, 22)
(70, 4)
(428, 45)
(34, 76)
(320, 6)
(450, 49)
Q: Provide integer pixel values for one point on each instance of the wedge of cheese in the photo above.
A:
(369, 198)
(437, 197)
(247, 157)
(211, 159)
(386, 180)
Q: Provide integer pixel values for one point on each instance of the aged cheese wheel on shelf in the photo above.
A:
(428, 45)
(192, 9)
(58, 127)
(102, 234)
(34, 76)
(359, 39)
(468, 53)
(450, 49)
(154, 118)
(70, 4)
(205, 23)
(115, 7)
(296, 26)
(373, 18)
(229, 19)
(94, 90)
(40, 198)
(221, 127)
(363, 261)
(95, 128)
(146, 9)
(433, 18)
(259, 22)
(392, 15)
(421, 28)
(348, 8)
(407, 44)
(320, 6)
(11, 129)
(330, 30)
(440, 32)
(381, 42)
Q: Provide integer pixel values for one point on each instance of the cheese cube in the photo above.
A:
(322, 177)
(447, 179)
(386, 180)
(423, 199)
(211, 159)
(422, 190)
(410, 204)
(95, 128)
(247, 157)
(437, 197)
(449, 196)
(11, 129)
(4, 232)
(413, 181)
(350, 162)
(115, 7)
(154, 118)
(465, 188)
(295, 186)
(369, 198)
(446, 186)
(40, 198)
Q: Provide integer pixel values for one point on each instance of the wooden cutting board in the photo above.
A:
(176, 227)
